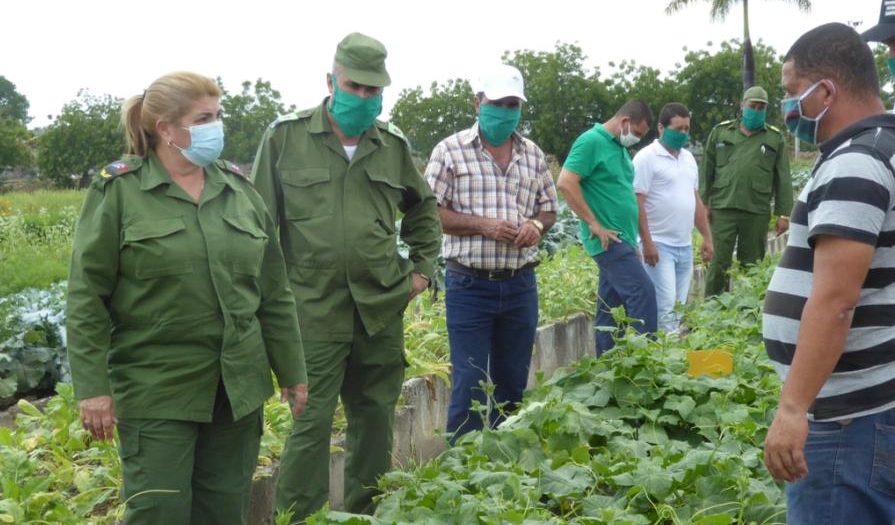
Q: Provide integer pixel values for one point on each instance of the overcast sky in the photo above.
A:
(51, 49)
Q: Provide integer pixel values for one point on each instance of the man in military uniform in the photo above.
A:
(334, 179)
(744, 168)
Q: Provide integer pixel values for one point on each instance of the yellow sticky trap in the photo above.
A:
(709, 362)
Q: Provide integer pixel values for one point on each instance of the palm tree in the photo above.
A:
(719, 10)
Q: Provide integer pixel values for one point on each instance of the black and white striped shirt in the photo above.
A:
(850, 195)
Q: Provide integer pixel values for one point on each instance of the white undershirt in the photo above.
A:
(349, 150)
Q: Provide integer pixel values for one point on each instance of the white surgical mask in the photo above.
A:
(628, 139)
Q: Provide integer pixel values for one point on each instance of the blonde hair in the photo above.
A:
(168, 99)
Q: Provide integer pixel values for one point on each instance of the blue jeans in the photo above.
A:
(623, 281)
(671, 278)
(491, 329)
(851, 474)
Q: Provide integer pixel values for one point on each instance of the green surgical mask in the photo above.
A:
(891, 62)
(674, 139)
(352, 113)
(498, 123)
(753, 118)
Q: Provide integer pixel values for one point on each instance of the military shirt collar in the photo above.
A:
(156, 174)
(320, 124)
(739, 127)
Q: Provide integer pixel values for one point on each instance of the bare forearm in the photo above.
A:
(702, 221)
(463, 224)
(575, 200)
(643, 220)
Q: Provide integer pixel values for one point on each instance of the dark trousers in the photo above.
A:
(189, 473)
(745, 230)
(491, 329)
(623, 282)
(367, 373)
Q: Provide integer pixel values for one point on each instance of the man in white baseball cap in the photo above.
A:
(496, 200)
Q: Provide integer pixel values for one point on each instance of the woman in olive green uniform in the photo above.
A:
(178, 309)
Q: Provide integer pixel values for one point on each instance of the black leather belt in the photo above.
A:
(491, 275)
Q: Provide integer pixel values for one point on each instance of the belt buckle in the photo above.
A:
(499, 275)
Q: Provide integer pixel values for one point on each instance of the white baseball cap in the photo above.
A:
(502, 81)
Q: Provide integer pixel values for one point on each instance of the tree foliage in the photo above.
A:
(85, 136)
(13, 104)
(711, 89)
(14, 136)
(246, 116)
(428, 117)
(564, 97)
(718, 11)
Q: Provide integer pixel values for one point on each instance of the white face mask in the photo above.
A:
(628, 139)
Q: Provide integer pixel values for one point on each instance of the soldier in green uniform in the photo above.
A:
(178, 309)
(745, 166)
(334, 178)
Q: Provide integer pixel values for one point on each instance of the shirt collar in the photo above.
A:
(883, 120)
(156, 174)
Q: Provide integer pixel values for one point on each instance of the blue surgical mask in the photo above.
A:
(206, 143)
(804, 128)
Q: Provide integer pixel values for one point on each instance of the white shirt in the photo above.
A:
(669, 184)
(349, 150)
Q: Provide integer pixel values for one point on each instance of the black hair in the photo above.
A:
(671, 110)
(835, 51)
(637, 111)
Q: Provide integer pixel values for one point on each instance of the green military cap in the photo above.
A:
(363, 60)
(755, 93)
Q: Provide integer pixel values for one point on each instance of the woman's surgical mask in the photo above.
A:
(206, 143)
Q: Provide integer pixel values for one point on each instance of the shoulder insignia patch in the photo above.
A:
(228, 166)
(288, 117)
(120, 168)
(393, 130)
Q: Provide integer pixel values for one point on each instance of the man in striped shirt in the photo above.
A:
(496, 199)
(829, 317)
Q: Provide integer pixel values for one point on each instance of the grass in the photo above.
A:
(35, 238)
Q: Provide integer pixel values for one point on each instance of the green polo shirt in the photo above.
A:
(607, 183)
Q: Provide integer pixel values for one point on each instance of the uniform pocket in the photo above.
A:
(768, 157)
(386, 192)
(156, 248)
(246, 252)
(307, 193)
(882, 478)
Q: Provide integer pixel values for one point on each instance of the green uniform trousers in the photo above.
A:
(189, 473)
(368, 373)
(730, 227)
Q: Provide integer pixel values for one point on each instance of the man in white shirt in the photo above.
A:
(666, 180)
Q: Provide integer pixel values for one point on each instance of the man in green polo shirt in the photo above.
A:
(597, 181)
(744, 168)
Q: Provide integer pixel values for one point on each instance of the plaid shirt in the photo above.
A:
(465, 179)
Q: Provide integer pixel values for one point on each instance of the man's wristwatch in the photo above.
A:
(537, 224)
(786, 217)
